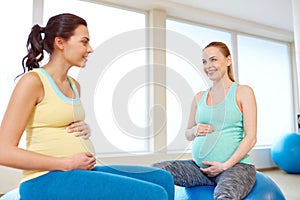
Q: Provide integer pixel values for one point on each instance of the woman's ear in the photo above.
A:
(228, 60)
(59, 42)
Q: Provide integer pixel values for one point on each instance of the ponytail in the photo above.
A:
(35, 49)
(61, 25)
(230, 73)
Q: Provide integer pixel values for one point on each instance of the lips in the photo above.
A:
(210, 72)
(85, 58)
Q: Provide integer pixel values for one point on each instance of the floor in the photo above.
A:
(288, 183)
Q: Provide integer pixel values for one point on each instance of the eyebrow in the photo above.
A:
(212, 57)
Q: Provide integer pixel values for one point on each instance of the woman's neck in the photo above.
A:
(218, 92)
(221, 85)
(57, 70)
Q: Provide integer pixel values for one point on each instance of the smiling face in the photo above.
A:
(215, 64)
(77, 47)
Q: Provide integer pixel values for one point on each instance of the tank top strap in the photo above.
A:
(73, 85)
(231, 95)
(204, 97)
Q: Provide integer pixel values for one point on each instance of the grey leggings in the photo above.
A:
(234, 183)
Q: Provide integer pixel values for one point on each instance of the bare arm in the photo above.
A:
(27, 93)
(194, 129)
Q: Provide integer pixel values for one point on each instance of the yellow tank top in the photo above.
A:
(46, 130)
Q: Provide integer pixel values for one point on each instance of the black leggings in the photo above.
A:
(234, 183)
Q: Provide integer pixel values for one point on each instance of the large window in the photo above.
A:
(14, 33)
(265, 66)
(113, 130)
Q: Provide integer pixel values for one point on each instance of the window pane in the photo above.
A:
(13, 44)
(13, 47)
(192, 75)
(108, 24)
(264, 65)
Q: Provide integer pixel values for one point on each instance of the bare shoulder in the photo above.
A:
(245, 92)
(29, 86)
(30, 79)
(198, 96)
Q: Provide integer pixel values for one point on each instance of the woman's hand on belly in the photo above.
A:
(203, 129)
(214, 169)
(80, 128)
(84, 161)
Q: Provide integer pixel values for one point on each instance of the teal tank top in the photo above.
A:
(227, 120)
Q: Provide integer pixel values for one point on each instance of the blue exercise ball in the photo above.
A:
(264, 189)
(286, 153)
(195, 193)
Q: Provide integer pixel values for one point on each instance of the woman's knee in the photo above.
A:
(235, 183)
(162, 165)
(227, 192)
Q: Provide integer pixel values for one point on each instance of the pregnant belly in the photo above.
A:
(211, 148)
(59, 143)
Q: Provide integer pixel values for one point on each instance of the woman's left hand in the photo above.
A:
(214, 169)
(80, 129)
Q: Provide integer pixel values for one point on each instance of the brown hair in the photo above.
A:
(62, 25)
(225, 51)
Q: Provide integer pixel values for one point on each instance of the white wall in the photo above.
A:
(9, 179)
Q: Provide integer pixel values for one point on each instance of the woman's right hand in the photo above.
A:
(84, 161)
(203, 129)
(80, 128)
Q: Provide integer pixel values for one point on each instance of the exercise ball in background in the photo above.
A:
(286, 153)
